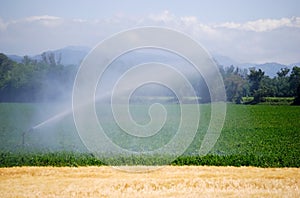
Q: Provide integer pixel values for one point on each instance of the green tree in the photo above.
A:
(267, 87)
(6, 68)
(33, 81)
(281, 83)
(235, 85)
(297, 98)
(255, 78)
(294, 80)
(6, 65)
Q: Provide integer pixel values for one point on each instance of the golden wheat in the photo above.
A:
(169, 181)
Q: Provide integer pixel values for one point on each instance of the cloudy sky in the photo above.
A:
(254, 31)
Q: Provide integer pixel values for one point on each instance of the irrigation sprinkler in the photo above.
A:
(24, 133)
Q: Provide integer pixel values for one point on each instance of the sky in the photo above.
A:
(254, 31)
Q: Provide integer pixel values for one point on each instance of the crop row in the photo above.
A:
(9, 159)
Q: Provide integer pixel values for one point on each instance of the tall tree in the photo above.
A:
(6, 65)
(281, 83)
(297, 98)
(294, 79)
(235, 84)
(255, 77)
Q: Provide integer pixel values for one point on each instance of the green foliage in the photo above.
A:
(8, 159)
(297, 98)
(235, 85)
(49, 80)
(237, 160)
(271, 100)
(255, 135)
(6, 66)
(58, 159)
(33, 81)
(255, 78)
(239, 84)
(295, 79)
(256, 88)
(295, 84)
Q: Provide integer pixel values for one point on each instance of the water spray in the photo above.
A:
(24, 133)
(57, 117)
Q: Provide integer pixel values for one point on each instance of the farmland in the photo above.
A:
(253, 135)
(170, 181)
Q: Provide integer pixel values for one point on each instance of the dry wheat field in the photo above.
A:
(169, 181)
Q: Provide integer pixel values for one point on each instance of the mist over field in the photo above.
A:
(146, 98)
(64, 80)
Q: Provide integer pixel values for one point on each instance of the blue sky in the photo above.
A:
(247, 31)
(208, 11)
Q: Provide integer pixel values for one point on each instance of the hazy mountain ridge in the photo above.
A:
(270, 68)
(73, 55)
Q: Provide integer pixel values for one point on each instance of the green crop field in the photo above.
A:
(272, 100)
(253, 135)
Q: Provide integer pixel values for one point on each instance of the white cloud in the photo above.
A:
(45, 20)
(262, 25)
(252, 41)
(189, 19)
(263, 40)
(193, 23)
(165, 16)
(42, 18)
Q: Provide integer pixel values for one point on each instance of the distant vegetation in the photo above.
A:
(35, 81)
(242, 85)
(49, 80)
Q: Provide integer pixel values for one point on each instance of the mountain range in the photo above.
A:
(270, 68)
(73, 55)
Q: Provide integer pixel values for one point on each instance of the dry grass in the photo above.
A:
(184, 181)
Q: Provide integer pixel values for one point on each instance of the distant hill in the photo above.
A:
(73, 55)
(16, 58)
(224, 60)
(294, 64)
(270, 69)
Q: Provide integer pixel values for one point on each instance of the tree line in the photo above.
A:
(35, 81)
(49, 80)
(254, 83)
